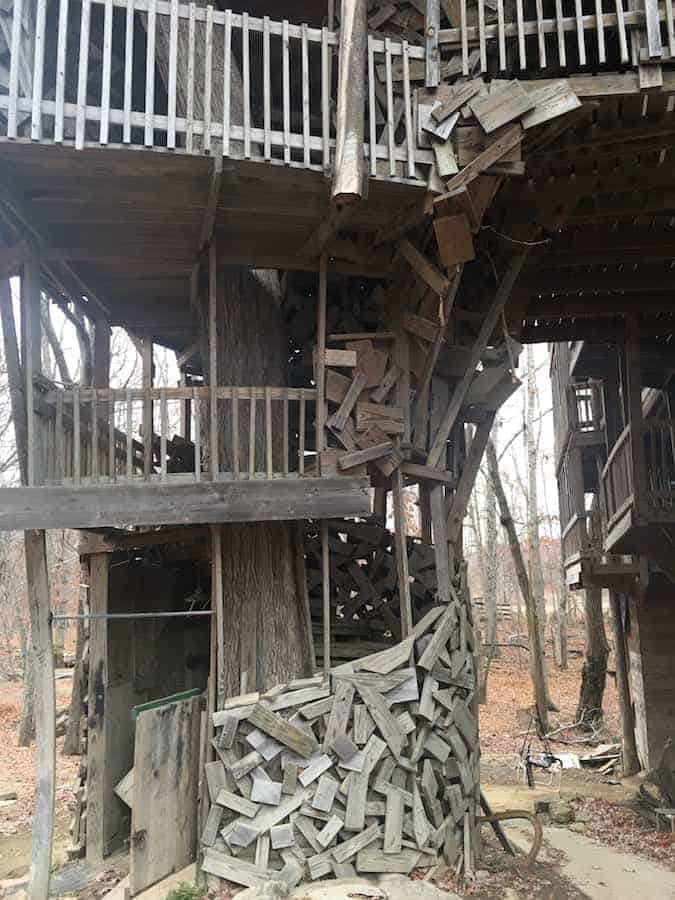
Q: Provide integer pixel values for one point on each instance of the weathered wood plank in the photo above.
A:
(282, 730)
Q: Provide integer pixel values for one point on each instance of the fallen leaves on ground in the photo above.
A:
(626, 830)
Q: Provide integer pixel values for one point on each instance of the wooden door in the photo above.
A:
(164, 812)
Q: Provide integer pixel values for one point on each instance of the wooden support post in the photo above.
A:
(349, 162)
(401, 553)
(631, 763)
(325, 571)
(96, 701)
(218, 621)
(14, 378)
(213, 360)
(441, 554)
(633, 389)
(101, 353)
(458, 503)
(30, 353)
(489, 324)
(432, 26)
(147, 424)
(320, 361)
(45, 713)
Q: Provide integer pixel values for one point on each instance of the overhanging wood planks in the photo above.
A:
(203, 502)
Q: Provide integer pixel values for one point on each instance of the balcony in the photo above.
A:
(586, 563)
(107, 458)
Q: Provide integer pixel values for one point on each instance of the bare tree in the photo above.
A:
(594, 672)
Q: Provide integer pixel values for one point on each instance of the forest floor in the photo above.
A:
(571, 865)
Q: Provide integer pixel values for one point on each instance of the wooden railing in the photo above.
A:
(99, 436)
(583, 535)
(618, 477)
(658, 436)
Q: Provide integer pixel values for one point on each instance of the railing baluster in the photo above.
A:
(163, 426)
(173, 75)
(94, 435)
(60, 92)
(390, 107)
(465, 37)
(251, 435)
(562, 51)
(521, 35)
(208, 77)
(197, 418)
(235, 432)
(305, 96)
(371, 107)
(38, 69)
(581, 40)
(130, 438)
(128, 71)
(325, 97)
(285, 432)
(670, 27)
(150, 75)
(301, 434)
(15, 58)
(286, 83)
(621, 28)
(105, 73)
(246, 77)
(407, 100)
(82, 74)
(77, 437)
(214, 432)
(190, 99)
(112, 456)
(481, 36)
(267, 90)
(600, 29)
(59, 444)
(540, 34)
(500, 35)
(268, 433)
(227, 86)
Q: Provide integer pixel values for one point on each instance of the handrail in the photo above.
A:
(620, 441)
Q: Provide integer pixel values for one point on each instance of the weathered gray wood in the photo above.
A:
(228, 731)
(290, 781)
(234, 869)
(301, 697)
(330, 831)
(325, 794)
(387, 660)
(236, 803)
(385, 721)
(349, 848)
(440, 638)
(371, 860)
(265, 791)
(282, 730)
(393, 823)
(315, 769)
(175, 504)
(437, 747)
(246, 764)
(349, 160)
(212, 826)
(308, 831)
(316, 709)
(363, 724)
(282, 836)
(421, 826)
(240, 834)
(340, 713)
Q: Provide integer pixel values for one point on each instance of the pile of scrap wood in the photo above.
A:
(373, 770)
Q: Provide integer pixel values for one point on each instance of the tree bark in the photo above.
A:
(631, 762)
(491, 571)
(71, 742)
(536, 650)
(594, 672)
(14, 376)
(562, 619)
(533, 549)
(266, 620)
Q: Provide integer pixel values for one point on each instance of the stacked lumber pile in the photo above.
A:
(373, 770)
(365, 613)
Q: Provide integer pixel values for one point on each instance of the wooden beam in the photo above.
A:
(14, 377)
(155, 503)
(320, 358)
(31, 355)
(350, 170)
(37, 584)
(325, 593)
(459, 394)
(96, 701)
(217, 604)
(424, 268)
(327, 230)
(211, 208)
(101, 353)
(147, 379)
(458, 503)
(403, 575)
(441, 550)
(12, 258)
(214, 449)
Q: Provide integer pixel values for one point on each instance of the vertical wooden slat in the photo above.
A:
(305, 96)
(286, 84)
(147, 420)
(130, 436)
(94, 436)
(163, 425)
(320, 374)
(111, 436)
(38, 69)
(190, 99)
(246, 77)
(128, 71)
(432, 25)
(213, 360)
(30, 353)
(371, 107)
(670, 27)
(540, 34)
(325, 98)
(267, 89)
(106, 71)
(501, 38)
(407, 108)
(208, 77)
(325, 580)
(301, 434)
(269, 448)
(61, 48)
(391, 149)
(77, 437)
(405, 606)
(59, 442)
(285, 434)
(481, 36)
(82, 74)
(227, 86)
(150, 75)
(14, 61)
(600, 29)
(217, 600)
(235, 432)
(621, 28)
(197, 415)
(251, 434)
(581, 40)
(173, 75)
(465, 37)
(562, 53)
(522, 58)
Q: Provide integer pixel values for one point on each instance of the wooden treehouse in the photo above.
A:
(344, 223)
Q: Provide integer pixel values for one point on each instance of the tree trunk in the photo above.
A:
(536, 650)
(595, 664)
(533, 549)
(266, 620)
(631, 763)
(491, 571)
(14, 376)
(562, 619)
(27, 720)
(71, 743)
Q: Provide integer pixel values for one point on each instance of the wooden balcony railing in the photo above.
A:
(583, 535)
(103, 436)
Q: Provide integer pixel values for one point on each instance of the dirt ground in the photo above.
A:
(611, 825)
